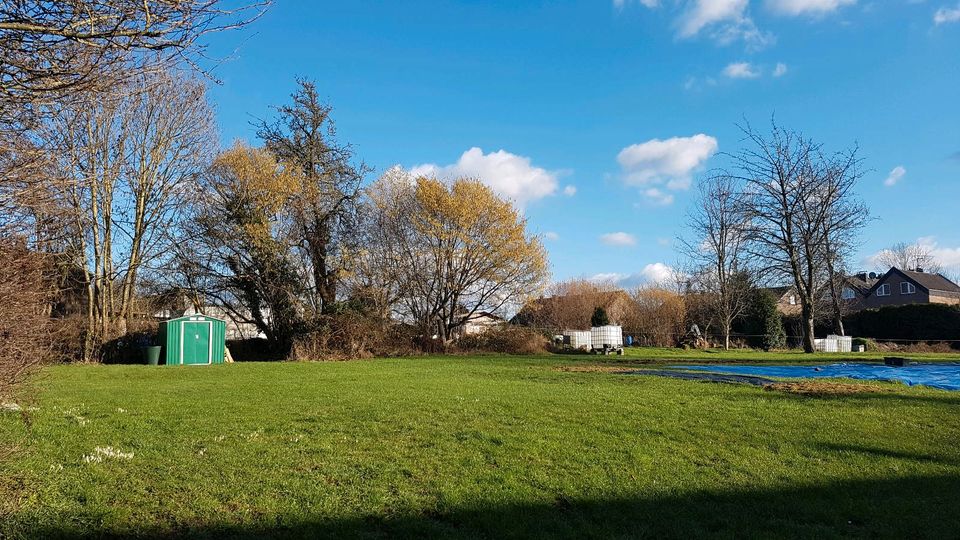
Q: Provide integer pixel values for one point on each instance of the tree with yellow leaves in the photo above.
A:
(445, 251)
(237, 253)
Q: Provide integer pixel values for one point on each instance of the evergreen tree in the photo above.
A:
(599, 317)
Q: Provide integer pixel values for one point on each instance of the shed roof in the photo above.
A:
(188, 317)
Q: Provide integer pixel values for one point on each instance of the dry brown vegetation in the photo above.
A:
(24, 318)
(824, 388)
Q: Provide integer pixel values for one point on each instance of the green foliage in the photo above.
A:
(867, 343)
(916, 322)
(599, 317)
(470, 447)
(763, 323)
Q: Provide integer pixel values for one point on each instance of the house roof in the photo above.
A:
(862, 282)
(925, 280)
(932, 282)
(780, 291)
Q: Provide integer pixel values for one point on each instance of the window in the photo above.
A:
(793, 300)
(907, 288)
(848, 294)
(884, 290)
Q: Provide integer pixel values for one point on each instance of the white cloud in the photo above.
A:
(510, 175)
(651, 274)
(947, 257)
(670, 163)
(658, 197)
(895, 176)
(550, 235)
(725, 21)
(618, 239)
(946, 15)
(741, 70)
(570, 191)
(619, 4)
(807, 7)
(780, 70)
(703, 13)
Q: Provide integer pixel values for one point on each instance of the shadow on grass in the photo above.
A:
(886, 453)
(890, 393)
(910, 507)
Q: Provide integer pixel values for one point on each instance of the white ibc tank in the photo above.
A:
(578, 339)
(610, 337)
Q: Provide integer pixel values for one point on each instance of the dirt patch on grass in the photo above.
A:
(621, 368)
(823, 388)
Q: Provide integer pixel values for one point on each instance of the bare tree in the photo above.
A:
(796, 203)
(303, 138)
(52, 50)
(846, 217)
(909, 257)
(717, 249)
(122, 166)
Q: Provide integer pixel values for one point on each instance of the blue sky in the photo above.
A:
(598, 116)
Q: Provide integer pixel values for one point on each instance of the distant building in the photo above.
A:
(856, 290)
(869, 290)
(479, 323)
(902, 287)
(788, 302)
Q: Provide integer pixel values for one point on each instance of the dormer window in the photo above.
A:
(907, 288)
(848, 294)
(793, 300)
(883, 290)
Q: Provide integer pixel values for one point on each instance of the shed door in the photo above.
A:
(196, 342)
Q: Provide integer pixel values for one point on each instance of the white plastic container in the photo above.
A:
(606, 337)
(578, 339)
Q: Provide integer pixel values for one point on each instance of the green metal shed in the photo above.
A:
(193, 340)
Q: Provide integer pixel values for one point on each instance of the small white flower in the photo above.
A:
(106, 452)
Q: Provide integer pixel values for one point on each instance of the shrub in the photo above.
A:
(350, 335)
(24, 321)
(507, 339)
(867, 343)
(762, 322)
(128, 348)
(916, 322)
(599, 317)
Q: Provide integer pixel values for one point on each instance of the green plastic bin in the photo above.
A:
(152, 355)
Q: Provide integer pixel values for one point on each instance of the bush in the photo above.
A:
(24, 323)
(128, 348)
(762, 323)
(868, 344)
(599, 317)
(507, 339)
(350, 335)
(912, 323)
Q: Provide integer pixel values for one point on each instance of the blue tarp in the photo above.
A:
(937, 375)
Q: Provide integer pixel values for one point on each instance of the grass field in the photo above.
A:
(470, 447)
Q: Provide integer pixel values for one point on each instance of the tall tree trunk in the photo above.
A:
(809, 346)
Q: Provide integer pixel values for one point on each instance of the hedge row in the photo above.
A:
(917, 322)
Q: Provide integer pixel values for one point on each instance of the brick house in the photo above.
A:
(901, 287)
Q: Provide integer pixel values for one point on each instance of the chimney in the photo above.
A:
(920, 270)
(862, 276)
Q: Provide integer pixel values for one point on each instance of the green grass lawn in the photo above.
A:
(470, 447)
